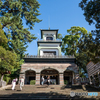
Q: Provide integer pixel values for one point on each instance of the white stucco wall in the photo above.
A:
(41, 51)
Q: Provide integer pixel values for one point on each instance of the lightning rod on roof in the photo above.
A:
(49, 22)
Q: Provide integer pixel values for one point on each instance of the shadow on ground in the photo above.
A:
(91, 89)
(42, 96)
(43, 86)
(72, 87)
(47, 92)
(75, 87)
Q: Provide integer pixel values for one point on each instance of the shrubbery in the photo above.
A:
(7, 78)
(65, 82)
(32, 82)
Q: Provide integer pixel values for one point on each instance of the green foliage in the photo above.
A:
(13, 14)
(74, 39)
(3, 39)
(32, 82)
(65, 82)
(59, 36)
(91, 10)
(81, 74)
(77, 43)
(92, 15)
(7, 78)
(71, 41)
(8, 59)
(15, 10)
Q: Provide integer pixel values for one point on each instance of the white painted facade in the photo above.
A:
(49, 34)
(41, 51)
(50, 46)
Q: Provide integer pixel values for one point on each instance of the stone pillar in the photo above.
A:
(61, 78)
(37, 79)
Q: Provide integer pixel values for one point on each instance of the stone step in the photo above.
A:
(35, 98)
(31, 96)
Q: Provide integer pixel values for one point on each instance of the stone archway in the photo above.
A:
(52, 73)
(68, 77)
(29, 75)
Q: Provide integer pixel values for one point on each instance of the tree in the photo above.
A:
(59, 36)
(91, 10)
(8, 59)
(92, 15)
(71, 41)
(13, 15)
(74, 44)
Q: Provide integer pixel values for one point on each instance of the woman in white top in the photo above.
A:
(14, 83)
(21, 82)
(42, 80)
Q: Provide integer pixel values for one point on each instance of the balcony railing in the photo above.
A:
(49, 40)
(48, 56)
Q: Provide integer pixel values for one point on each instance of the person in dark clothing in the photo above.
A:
(48, 80)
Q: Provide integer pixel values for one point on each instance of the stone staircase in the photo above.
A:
(33, 92)
(33, 98)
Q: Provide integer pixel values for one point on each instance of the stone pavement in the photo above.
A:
(38, 92)
(5, 87)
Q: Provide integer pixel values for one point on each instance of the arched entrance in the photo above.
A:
(29, 75)
(68, 77)
(52, 73)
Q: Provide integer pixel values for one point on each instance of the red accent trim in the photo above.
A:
(88, 63)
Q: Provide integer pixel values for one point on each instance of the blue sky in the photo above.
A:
(58, 14)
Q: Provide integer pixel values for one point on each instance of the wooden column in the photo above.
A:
(61, 78)
(90, 80)
(73, 78)
(99, 77)
(93, 80)
(37, 79)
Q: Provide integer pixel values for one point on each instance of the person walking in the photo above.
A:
(21, 82)
(42, 80)
(48, 80)
(14, 83)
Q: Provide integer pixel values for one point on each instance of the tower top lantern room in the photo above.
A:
(49, 46)
(46, 34)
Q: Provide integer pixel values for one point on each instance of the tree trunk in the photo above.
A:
(2, 77)
(2, 83)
